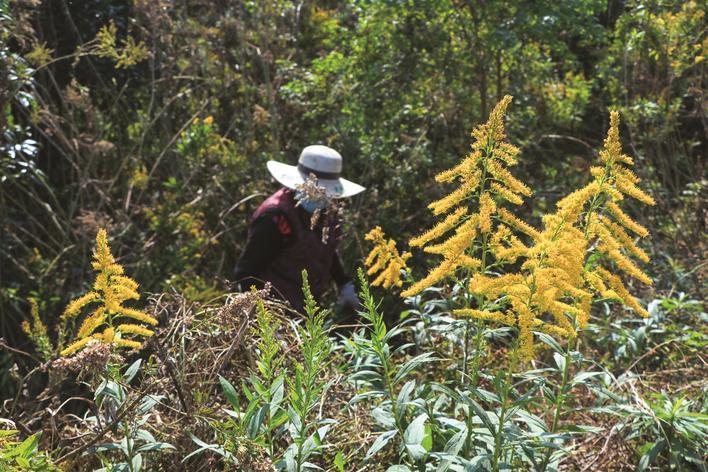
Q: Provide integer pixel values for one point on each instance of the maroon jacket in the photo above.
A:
(305, 250)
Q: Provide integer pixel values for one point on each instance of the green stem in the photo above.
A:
(477, 352)
(560, 399)
(465, 354)
(129, 441)
(506, 389)
(595, 203)
(480, 306)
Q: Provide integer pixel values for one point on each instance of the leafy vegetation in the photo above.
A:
(545, 312)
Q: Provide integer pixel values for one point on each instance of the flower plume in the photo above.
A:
(111, 290)
(484, 184)
(385, 260)
(558, 277)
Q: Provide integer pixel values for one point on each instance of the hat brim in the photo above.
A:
(291, 177)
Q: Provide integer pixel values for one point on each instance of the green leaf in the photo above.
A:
(157, 446)
(254, 425)
(106, 447)
(550, 342)
(148, 403)
(415, 435)
(206, 447)
(456, 442)
(651, 455)
(427, 442)
(131, 371)
(583, 376)
(144, 435)
(339, 461)
(481, 413)
(384, 417)
(411, 365)
(560, 361)
(230, 392)
(405, 393)
(379, 444)
(27, 447)
(137, 463)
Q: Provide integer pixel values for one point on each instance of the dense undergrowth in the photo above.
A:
(552, 315)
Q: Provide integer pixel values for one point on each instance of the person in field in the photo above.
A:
(298, 227)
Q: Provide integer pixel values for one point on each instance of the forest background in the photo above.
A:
(154, 120)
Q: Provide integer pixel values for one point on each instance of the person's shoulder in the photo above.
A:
(276, 218)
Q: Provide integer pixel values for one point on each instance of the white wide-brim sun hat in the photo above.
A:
(324, 163)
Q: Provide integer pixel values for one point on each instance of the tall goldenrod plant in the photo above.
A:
(553, 290)
(470, 211)
(473, 221)
(578, 255)
(111, 289)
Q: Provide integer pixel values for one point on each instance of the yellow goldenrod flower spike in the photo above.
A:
(515, 222)
(138, 315)
(433, 277)
(92, 322)
(487, 208)
(473, 210)
(495, 316)
(72, 348)
(626, 221)
(618, 287)
(504, 176)
(552, 290)
(628, 187)
(37, 328)
(626, 241)
(385, 260)
(627, 266)
(127, 343)
(457, 244)
(441, 206)
(505, 193)
(466, 167)
(441, 228)
(526, 322)
(607, 222)
(111, 290)
(135, 329)
(75, 306)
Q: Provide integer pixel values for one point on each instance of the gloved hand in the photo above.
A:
(348, 297)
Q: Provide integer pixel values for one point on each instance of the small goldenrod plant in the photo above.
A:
(106, 45)
(385, 260)
(283, 394)
(36, 330)
(111, 290)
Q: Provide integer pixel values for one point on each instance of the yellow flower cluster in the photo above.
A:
(37, 327)
(106, 45)
(37, 331)
(555, 283)
(605, 222)
(483, 181)
(111, 289)
(546, 288)
(385, 259)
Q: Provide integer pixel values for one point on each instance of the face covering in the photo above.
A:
(309, 205)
